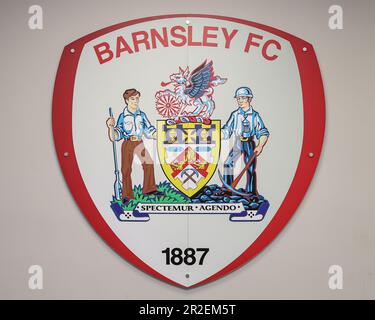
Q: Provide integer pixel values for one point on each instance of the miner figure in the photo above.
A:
(132, 125)
(245, 123)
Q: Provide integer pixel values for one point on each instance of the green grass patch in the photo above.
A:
(171, 195)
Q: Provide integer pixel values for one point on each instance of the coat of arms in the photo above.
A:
(188, 144)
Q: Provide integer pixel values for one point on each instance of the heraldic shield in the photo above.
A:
(189, 153)
(188, 146)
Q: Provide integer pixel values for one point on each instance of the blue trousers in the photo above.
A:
(245, 148)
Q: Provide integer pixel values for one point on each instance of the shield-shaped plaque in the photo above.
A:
(188, 141)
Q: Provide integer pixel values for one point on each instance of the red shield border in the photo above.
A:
(313, 135)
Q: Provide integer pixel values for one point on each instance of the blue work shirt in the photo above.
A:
(134, 124)
(235, 124)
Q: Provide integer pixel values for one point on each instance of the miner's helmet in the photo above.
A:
(243, 92)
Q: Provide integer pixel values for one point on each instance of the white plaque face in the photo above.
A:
(188, 141)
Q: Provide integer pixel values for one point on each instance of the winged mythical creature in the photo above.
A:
(192, 94)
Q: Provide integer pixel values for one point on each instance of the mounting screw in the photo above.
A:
(187, 275)
(66, 154)
(304, 49)
(187, 21)
(72, 50)
(311, 154)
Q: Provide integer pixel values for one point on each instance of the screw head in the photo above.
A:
(304, 49)
(72, 50)
(187, 275)
(66, 154)
(187, 21)
(311, 154)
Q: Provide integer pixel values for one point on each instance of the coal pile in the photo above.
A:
(210, 194)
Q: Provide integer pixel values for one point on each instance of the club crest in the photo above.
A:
(188, 147)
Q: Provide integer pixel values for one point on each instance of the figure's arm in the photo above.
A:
(115, 133)
(262, 135)
(111, 130)
(227, 129)
(261, 143)
(149, 129)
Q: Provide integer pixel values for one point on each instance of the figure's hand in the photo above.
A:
(258, 150)
(110, 122)
(154, 136)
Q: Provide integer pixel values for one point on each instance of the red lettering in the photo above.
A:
(122, 46)
(178, 36)
(265, 47)
(228, 37)
(207, 35)
(250, 41)
(140, 37)
(103, 49)
(190, 38)
(162, 39)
